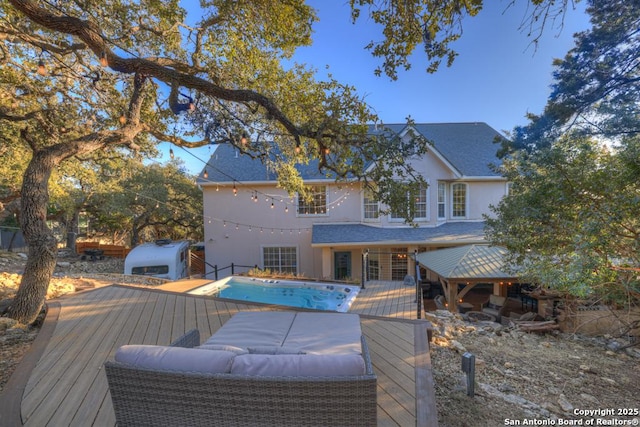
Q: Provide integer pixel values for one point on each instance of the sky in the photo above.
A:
(497, 78)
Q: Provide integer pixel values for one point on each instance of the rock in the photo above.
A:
(509, 365)
(613, 345)
(459, 347)
(589, 398)
(63, 264)
(506, 388)
(633, 352)
(22, 255)
(564, 403)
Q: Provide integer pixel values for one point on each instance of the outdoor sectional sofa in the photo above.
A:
(259, 369)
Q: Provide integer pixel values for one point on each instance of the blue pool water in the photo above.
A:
(312, 295)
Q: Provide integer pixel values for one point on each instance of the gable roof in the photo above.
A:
(470, 262)
(467, 147)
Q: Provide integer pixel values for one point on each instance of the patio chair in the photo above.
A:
(495, 306)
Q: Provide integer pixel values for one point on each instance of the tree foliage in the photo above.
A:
(572, 217)
(597, 85)
(571, 220)
(84, 77)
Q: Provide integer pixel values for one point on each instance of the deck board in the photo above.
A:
(68, 385)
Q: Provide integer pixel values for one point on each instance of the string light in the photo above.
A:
(171, 154)
(103, 59)
(205, 174)
(122, 119)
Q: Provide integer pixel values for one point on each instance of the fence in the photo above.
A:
(114, 251)
(11, 239)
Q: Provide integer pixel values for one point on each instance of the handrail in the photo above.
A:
(233, 266)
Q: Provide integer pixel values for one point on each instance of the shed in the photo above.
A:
(469, 264)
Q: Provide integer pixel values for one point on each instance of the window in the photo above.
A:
(442, 200)
(317, 205)
(150, 270)
(420, 205)
(370, 205)
(281, 259)
(459, 202)
(398, 263)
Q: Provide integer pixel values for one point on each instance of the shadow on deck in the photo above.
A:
(61, 381)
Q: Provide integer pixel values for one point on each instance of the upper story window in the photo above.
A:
(420, 206)
(442, 200)
(317, 204)
(370, 206)
(459, 200)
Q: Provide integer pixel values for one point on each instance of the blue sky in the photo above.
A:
(497, 77)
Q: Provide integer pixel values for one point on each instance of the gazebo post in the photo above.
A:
(452, 297)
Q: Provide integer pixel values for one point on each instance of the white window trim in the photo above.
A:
(296, 247)
(391, 218)
(466, 200)
(326, 204)
(364, 219)
(444, 201)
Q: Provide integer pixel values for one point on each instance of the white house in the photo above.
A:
(249, 221)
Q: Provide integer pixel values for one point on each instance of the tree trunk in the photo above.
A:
(72, 231)
(40, 240)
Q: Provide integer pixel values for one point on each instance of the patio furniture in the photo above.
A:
(495, 306)
(260, 368)
(464, 307)
(480, 316)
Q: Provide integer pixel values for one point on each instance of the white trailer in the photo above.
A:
(164, 259)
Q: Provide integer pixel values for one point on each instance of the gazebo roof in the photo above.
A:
(469, 262)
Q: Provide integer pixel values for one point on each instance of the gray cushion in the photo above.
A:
(231, 348)
(296, 365)
(178, 359)
(275, 350)
(326, 333)
(255, 329)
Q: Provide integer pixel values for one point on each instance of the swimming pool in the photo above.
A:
(313, 295)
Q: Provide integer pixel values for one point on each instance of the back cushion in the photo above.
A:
(175, 358)
(299, 365)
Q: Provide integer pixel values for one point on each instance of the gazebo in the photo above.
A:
(468, 265)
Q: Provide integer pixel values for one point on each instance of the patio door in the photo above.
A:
(342, 265)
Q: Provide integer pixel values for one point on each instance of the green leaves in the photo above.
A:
(572, 217)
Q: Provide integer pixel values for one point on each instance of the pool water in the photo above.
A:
(312, 295)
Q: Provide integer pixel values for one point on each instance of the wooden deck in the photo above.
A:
(67, 386)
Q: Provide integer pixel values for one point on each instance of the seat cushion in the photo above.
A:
(178, 359)
(299, 365)
(325, 333)
(254, 329)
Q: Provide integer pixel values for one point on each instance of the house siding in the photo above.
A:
(237, 227)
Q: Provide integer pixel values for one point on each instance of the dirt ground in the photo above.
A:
(520, 378)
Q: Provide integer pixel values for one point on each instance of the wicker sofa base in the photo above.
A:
(144, 398)
(155, 397)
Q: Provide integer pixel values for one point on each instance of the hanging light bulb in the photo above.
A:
(122, 119)
(171, 153)
(235, 190)
(42, 70)
(205, 174)
(103, 59)
(243, 139)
